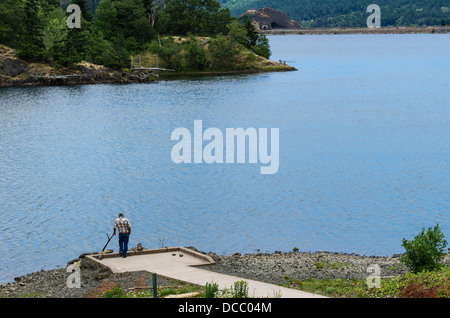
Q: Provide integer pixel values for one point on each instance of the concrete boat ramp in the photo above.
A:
(185, 265)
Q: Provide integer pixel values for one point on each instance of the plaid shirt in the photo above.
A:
(123, 225)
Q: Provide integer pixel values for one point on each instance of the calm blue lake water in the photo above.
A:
(364, 156)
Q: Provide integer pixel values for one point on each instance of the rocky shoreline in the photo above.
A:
(272, 268)
(16, 72)
(94, 281)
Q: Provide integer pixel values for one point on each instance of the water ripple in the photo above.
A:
(363, 157)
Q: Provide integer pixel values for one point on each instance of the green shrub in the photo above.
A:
(211, 290)
(169, 51)
(195, 53)
(425, 251)
(222, 53)
(117, 292)
(239, 289)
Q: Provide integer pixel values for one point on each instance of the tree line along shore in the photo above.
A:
(15, 72)
(187, 37)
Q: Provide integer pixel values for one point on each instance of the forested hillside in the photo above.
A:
(345, 13)
(351, 13)
(187, 35)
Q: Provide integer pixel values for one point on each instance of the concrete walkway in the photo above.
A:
(185, 265)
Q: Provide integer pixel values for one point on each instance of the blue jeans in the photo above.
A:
(123, 243)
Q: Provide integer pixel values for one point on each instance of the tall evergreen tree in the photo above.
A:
(200, 17)
(49, 5)
(87, 15)
(106, 19)
(72, 48)
(133, 22)
(12, 15)
(32, 44)
(54, 31)
(256, 41)
(252, 33)
(92, 5)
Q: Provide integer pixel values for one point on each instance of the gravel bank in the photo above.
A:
(271, 268)
(94, 281)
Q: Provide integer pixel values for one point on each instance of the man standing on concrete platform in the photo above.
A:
(123, 226)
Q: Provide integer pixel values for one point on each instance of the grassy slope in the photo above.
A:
(434, 284)
(38, 69)
(255, 64)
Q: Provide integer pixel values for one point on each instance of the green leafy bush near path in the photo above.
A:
(428, 277)
(211, 290)
(432, 284)
(426, 251)
(178, 289)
